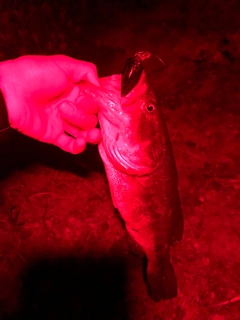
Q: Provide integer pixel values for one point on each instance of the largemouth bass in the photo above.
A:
(140, 168)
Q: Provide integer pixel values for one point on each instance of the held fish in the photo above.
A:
(140, 167)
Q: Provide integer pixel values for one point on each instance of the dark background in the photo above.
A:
(63, 248)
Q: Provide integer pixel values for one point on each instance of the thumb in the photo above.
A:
(77, 70)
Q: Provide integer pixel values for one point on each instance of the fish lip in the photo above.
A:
(112, 114)
(131, 74)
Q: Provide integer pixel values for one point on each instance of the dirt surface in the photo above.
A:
(63, 248)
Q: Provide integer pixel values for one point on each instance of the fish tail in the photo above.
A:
(177, 221)
(177, 231)
(161, 280)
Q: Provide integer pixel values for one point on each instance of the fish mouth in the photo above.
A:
(132, 71)
(131, 75)
(112, 115)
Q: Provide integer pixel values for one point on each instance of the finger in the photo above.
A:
(71, 145)
(76, 117)
(77, 70)
(70, 130)
(93, 136)
(87, 104)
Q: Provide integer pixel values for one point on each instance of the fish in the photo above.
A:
(140, 167)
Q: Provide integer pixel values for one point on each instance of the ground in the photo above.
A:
(63, 248)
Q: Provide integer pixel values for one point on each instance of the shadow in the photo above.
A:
(81, 164)
(71, 288)
(18, 151)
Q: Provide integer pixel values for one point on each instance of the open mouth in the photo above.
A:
(131, 74)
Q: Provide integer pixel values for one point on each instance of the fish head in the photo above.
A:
(131, 121)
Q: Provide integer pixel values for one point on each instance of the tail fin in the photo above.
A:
(177, 230)
(161, 280)
(177, 222)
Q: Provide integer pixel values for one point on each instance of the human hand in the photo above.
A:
(44, 100)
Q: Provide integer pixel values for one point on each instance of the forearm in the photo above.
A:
(4, 123)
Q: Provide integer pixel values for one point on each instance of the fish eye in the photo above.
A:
(150, 107)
